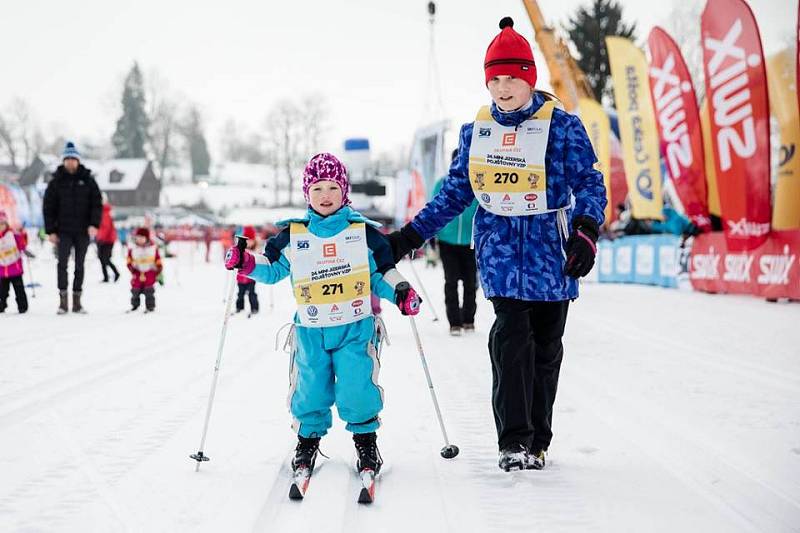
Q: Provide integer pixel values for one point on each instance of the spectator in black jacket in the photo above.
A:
(73, 208)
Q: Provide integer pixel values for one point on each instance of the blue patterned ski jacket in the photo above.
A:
(523, 257)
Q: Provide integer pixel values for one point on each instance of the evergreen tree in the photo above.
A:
(588, 30)
(131, 133)
(196, 143)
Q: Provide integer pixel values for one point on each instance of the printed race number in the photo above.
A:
(332, 288)
(505, 177)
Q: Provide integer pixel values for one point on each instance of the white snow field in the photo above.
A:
(677, 412)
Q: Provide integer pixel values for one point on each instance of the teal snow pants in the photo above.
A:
(336, 365)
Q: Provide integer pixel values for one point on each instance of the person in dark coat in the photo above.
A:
(458, 262)
(73, 208)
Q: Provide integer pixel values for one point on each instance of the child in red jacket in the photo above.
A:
(11, 247)
(144, 262)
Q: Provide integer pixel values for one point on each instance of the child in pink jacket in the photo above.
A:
(11, 247)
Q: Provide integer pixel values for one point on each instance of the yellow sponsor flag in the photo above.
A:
(711, 169)
(637, 127)
(597, 125)
(782, 85)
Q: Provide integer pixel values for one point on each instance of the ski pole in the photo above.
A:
(422, 288)
(241, 243)
(30, 275)
(271, 299)
(226, 290)
(450, 450)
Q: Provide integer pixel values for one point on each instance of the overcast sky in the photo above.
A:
(236, 58)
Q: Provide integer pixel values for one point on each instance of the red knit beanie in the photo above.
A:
(142, 232)
(509, 54)
(249, 232)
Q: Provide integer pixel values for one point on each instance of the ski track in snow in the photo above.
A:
(689, 426)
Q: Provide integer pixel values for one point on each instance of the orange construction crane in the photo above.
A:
(566, 77)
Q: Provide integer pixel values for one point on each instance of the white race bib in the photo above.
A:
(330, 275)
(143, 258)
(507, 163)
(9, 254)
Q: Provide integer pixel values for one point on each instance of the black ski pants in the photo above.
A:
(459, 265)
(526, 351)
(19, 293)
(149, 297)
(66, 243)
(248, 289)
(104, 251)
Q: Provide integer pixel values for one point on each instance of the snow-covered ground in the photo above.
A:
(676, 412)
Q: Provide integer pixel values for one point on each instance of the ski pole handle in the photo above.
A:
(241, 244)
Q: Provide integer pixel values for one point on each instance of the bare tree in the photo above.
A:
(20, 135)
(7, 139)
(284, 131)
(163, 137)
(26, 129)
(314, 121)
(240, 146)
(272, 158)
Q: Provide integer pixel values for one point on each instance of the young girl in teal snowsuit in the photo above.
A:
(336, 258)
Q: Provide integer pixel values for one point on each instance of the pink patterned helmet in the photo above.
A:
(325, 167)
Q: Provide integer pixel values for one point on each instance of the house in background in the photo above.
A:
(127, 182)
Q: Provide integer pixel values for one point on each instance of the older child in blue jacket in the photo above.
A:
(336, 258)
(530, 166)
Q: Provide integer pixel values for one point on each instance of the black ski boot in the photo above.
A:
(513, 457)
(76, 303)
(305, 454)
(369, 458)
(63, 306)
(150, 299)
(536, 459)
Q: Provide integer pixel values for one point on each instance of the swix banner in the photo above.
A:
(771, 270)
(678, 121)
(736, 89)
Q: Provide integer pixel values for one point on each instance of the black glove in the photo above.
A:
(404, 241)
(581, 247)
(691, 230)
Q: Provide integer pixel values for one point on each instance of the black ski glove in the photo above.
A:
(404, 241)
(581, 247)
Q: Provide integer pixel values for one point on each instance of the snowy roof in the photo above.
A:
(127, 173)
